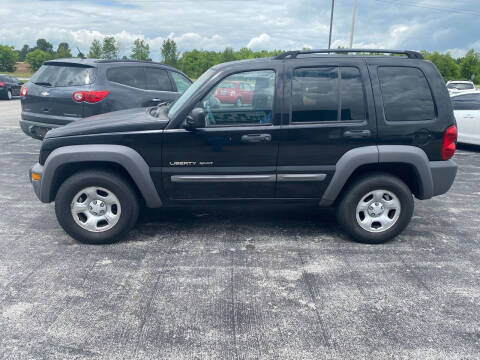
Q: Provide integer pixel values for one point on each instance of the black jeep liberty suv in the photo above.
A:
(362, 133)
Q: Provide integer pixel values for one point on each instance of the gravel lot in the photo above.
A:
(236, 283)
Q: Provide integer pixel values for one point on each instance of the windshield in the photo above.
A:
(61, 75)
(190, 91)
(460, 86)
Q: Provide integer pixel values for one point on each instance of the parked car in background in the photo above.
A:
(235, 92)
(457, 86)
(466, 107)
(65, 90)
(9, 87)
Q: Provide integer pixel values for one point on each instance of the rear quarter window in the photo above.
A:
(466, 102)
(406, 94)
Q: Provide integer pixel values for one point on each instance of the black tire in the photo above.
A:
(347, 207)
(238, 102)
(109, 180)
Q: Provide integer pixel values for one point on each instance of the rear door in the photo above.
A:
(467, 113)
(330, 110)
(159, 85)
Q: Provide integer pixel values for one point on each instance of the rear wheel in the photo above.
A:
(96, 207)
(375, 208)
(9, 94)
(238, 102)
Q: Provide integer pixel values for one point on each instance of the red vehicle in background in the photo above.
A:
(235, 92)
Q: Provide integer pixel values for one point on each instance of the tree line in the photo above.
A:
(195, 62)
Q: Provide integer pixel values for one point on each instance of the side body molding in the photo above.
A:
(400, 154)
(124, 156)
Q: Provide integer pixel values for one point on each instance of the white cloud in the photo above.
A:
(260, 42)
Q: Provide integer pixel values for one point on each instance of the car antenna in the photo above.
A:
(81, 54)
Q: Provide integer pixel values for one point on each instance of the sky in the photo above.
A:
(443, 25)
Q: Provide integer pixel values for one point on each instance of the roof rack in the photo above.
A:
(293, 54)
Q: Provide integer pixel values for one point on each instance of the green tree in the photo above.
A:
(8, 58)
(140, 50)
(95, 50)
(44, 45)
(36, 58)
(63, 51)
(169, 52)
(447, 65)
(228, 55)
(470, 65)
(23, 52)
(109, 48)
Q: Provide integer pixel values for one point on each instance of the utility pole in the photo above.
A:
(331, 23)
(353, 22)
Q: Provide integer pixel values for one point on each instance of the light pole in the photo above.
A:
(331, 23)
(353, 22)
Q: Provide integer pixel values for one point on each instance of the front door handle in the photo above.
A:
(357, 134)
(256, 138)
(156, 99)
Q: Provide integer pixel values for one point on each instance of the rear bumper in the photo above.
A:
(443, 175)
(36, 130)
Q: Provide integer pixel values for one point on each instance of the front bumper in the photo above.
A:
(37, 184)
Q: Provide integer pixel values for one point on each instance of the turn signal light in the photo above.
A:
(35, 176)
(448, 145)
(90, 97)
(23, 91)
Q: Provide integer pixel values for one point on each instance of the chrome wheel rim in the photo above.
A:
(378, 211)
(9, 94)
(95, 209)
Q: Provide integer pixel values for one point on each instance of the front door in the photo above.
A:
(234, 156)
(331, 111)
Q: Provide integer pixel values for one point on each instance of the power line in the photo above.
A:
(437, 8)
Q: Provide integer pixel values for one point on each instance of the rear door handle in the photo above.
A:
(256, 138)
(156, 99)
(357, 134)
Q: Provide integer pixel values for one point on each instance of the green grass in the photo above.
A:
(18, 74)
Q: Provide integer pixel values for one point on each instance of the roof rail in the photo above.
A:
(293, 54)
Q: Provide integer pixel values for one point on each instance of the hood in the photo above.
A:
(138, 119)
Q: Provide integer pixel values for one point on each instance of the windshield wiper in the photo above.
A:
(46, 83)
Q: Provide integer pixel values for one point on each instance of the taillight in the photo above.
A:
(2, 84)
(90, 97)
(23, 91)
(448, 145)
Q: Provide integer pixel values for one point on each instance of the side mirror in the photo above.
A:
(196, 119)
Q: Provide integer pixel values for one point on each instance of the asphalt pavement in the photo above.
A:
(236, 282)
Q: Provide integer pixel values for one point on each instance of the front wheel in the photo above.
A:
(9, 95)
(375, 208)
(238, 102)
(96, 207)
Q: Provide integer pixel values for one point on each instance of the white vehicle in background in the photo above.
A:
(457, 86)
(466, 107)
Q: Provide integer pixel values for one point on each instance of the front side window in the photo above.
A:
(181, 81)
(157, 79)
(130, 76)
(406, 94)
(466, 102)
(327, 94)
(241, 99)
(62, 75)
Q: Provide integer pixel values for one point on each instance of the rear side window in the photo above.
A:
(406, 94)
(130, 76)
(181, 81)
(327, 94)
(62, 75)
(157, 79)
(466, 102)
